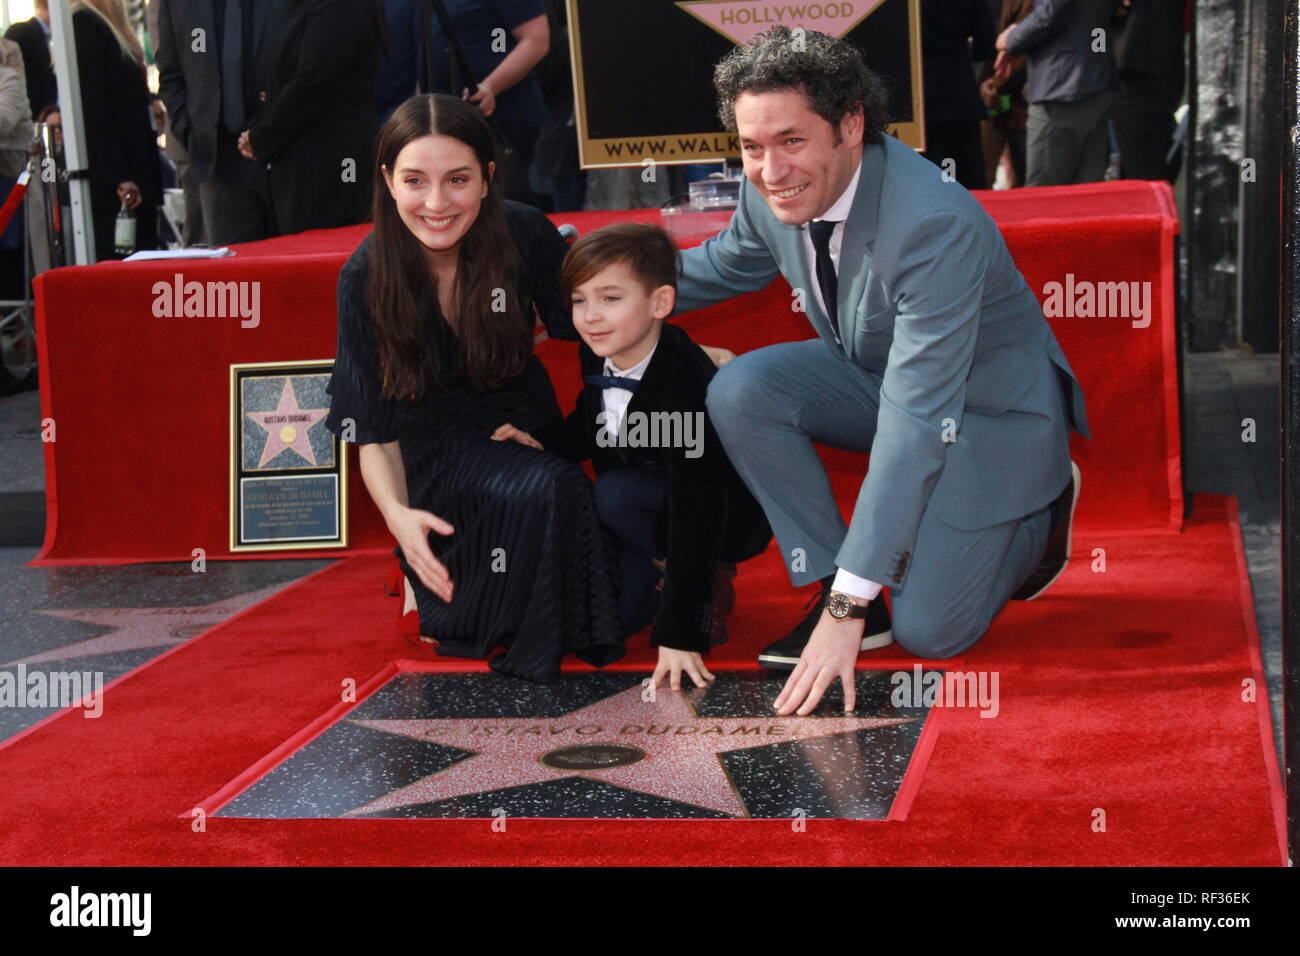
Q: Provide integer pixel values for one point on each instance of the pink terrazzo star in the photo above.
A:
(287, 426)
(678, 764)
(134, 628)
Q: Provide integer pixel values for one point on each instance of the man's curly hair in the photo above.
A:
(828, 70)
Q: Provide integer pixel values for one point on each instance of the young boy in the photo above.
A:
(664, 485)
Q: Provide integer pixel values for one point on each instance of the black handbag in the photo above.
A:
(510, 163)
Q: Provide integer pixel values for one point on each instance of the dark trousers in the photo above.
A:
(1068, 141)
(236, 199)
(630, 504)
(999, 136)
(1144, 123)
(521, 138)
(195, 234)
(961, 143)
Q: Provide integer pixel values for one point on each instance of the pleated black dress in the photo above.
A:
(530, 560)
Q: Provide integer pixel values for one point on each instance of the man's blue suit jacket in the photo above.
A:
(933, 307)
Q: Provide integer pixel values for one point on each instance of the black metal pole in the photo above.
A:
(1257, 271)
(1290, 356)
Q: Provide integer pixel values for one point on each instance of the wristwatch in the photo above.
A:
(843, 606)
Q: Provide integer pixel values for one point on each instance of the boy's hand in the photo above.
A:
(509, 432)
(671, 664)
(718, 356)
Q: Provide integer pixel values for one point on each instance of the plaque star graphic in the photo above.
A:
(739, 20)
(134, 628)
(679, 762)
(287, 426)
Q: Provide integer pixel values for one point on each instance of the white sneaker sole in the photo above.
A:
(868, 643)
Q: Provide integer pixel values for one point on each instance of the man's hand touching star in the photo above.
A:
(831, 652)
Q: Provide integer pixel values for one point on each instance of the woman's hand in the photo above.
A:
(671, 664)
(411, 529)
(129, 193)
(509, 432)
(989, 93)
(718, 356)
(245, 146)
(485, 99)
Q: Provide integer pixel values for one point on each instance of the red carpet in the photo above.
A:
(1120, 691)
(139, 469)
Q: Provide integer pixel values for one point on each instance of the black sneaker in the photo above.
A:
(784, 654)
(1057, 555)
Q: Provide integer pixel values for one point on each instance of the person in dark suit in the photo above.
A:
(121, 149)
(397, 80)
(33, 37)
(207, 79)
(1149, 53)
(955, 34)
(555, 158)
(316, 124)
(664, 486)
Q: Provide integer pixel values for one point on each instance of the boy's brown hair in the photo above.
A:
(646, 250)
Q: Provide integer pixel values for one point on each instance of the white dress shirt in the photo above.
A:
(845, 581)
(616, 399)
(838, 212)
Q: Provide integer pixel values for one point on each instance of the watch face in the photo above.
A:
(839, 606)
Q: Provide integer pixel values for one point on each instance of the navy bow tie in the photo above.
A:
(612, 381)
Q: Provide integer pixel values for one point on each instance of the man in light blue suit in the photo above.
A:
(932, 354)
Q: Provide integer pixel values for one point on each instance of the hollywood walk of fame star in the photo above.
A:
(287, 426)
(661, 748)
(135, 628)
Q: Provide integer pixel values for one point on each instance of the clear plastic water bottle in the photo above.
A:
(124, 232)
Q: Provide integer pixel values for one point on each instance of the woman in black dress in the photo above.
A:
(121, 148)
(436, 314)
(316, 118)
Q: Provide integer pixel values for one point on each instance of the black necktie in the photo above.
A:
(612, 381)
(821, 230)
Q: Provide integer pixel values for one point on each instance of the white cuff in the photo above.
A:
(854, 586)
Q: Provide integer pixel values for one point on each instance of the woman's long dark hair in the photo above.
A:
(495, 338)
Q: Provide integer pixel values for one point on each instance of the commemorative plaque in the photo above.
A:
(643, 69)
(288, 485)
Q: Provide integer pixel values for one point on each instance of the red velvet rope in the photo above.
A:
(15, 199)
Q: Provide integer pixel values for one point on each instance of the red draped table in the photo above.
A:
(137, 404)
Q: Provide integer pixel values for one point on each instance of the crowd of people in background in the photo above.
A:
(1052, 90)
(266, 116)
